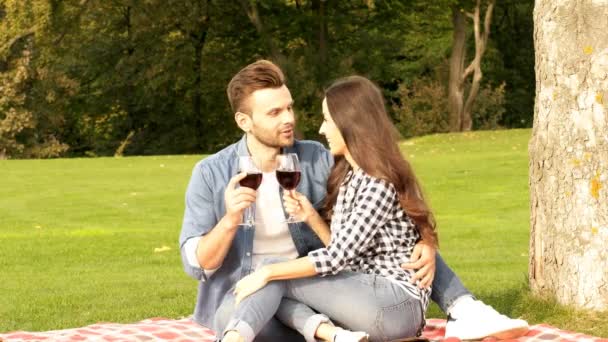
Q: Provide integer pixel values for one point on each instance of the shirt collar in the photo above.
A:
(354, 177)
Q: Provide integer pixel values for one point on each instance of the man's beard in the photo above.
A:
(272, 141)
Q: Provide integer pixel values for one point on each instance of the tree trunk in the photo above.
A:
(456, 85)
(251, 9)
(461, 110)
(569, 153)
(199, 38)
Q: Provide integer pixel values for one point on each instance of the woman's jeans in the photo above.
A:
(447, 288)
(354, 301)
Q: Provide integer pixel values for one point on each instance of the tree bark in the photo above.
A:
(319, 11)
(199, 39)
(322, 34)
(569, 153)
(481, 41)
(457, 58)
(461, 110)
(251, 9)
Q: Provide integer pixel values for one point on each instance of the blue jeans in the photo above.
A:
(447, 288)
(274, 330)
(384, 309)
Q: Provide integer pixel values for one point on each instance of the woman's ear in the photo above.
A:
(243, 121)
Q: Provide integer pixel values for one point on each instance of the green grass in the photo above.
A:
(78, 236)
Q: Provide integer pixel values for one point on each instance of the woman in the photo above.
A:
(377, 215)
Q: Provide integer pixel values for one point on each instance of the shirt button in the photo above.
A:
(248, 254)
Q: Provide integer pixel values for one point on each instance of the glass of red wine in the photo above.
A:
(288, 174)
(253, 181)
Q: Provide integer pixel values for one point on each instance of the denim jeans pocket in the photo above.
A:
(400, 320)
(363, 278)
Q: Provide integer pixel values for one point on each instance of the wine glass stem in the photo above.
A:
(291, 218)
(248, 216)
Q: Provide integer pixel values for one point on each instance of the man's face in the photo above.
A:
(272, 117)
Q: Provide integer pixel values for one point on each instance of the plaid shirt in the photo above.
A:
(370, 233)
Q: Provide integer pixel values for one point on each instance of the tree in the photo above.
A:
(569, 154)
(14, 118)
(461, 106)
(512, 30)
(23, 130)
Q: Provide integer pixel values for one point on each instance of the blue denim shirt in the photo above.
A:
(205, 207)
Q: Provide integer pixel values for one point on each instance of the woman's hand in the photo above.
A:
(250, 284)
(298, 205)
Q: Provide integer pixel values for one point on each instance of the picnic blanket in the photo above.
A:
(183, 330)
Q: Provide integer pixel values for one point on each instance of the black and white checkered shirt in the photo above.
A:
(370, 233)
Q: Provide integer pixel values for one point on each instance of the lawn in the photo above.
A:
(89, 240)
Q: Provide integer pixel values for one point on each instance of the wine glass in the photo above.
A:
(253, 181)
(288, 174)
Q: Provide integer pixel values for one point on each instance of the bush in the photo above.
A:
(422, 108)
(489, 107)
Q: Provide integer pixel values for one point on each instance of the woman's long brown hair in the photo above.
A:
(357, 107)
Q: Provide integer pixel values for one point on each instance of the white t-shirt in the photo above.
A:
(271, 237)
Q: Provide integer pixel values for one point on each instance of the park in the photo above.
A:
(106, 107)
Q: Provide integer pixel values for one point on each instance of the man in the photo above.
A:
(218, 253)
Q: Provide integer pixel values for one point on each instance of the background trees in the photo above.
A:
(91, 77)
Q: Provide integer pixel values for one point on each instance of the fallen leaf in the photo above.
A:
(162, 249)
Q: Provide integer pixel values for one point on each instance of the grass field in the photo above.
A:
(89, 240)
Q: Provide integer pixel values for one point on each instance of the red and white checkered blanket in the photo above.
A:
(161, 329)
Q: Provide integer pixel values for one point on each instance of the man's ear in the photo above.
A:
(243, 121)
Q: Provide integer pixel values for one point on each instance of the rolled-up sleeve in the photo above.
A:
(199, 219)
(190, 250)
(372, 208)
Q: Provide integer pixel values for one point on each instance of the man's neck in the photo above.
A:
(264, 156)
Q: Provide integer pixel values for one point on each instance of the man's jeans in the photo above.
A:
(447, 288)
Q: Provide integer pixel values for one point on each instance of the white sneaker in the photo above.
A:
(350, 336)
(474, 320)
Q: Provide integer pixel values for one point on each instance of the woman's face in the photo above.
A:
(337, 147)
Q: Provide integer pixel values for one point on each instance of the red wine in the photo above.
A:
(252, 180)
(288, 179)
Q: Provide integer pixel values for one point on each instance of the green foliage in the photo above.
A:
(512, 38)
(164, 65)
(422, 107)
(489, 107)
(14, 119)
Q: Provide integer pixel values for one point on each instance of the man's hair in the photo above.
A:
(261, 74)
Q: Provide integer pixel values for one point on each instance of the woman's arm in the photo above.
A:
(299, 206)
(320, 227)
(372, 207)
(298, 268)
(292, 269)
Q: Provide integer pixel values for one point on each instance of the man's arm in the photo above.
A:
(205, 241)
(213, 246)
(423, 262)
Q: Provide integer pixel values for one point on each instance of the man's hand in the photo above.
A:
(250, 284)
(237, 199)
(423, 261)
